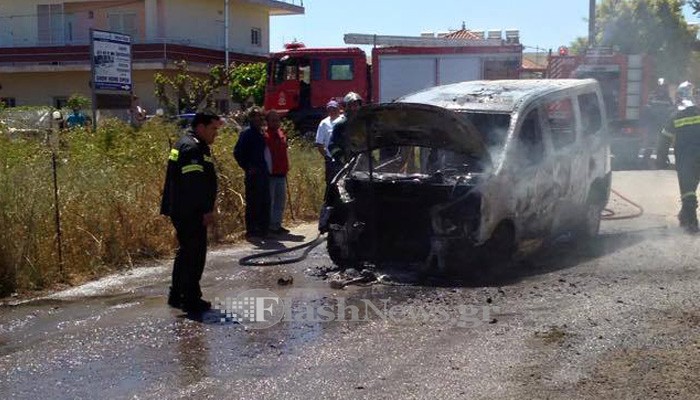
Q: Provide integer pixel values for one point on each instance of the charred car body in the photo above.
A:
(472, 171)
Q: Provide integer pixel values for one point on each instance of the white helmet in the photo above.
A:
(685, 95)
(685, 91)
(350, 97)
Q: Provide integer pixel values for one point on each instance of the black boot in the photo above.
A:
(175, 299)
(196, 306)
(688, 220)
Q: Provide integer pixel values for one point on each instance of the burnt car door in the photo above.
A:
(531, 175)
(560, 122)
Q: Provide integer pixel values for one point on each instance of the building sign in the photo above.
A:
(111, 61)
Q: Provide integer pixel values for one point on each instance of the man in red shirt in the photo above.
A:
(278, 165)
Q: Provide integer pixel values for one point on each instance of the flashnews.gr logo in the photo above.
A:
(261, 309)
(255, 309)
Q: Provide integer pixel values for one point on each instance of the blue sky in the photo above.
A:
(542, 23)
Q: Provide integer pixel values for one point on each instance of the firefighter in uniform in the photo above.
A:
(684, 126)
(337, 146)
(188, 199)
(657, 112)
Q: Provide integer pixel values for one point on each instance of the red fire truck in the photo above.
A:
(624, 80)
(302, 80)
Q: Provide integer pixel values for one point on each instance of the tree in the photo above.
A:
(655, 27)
(77, 102)
(185, 91)
(578, 46)
(695, 5)
(248, 81)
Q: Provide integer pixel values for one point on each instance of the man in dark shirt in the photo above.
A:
(249, 153)
(188, 199)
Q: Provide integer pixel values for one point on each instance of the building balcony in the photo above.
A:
(155, 55)
(281, 7)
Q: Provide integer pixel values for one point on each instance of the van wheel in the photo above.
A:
(591, 225)
(496, 254)
(335, 252)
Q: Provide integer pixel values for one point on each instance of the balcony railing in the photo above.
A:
(154, 52)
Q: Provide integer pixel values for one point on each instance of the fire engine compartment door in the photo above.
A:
(400, 75)
(458, 68)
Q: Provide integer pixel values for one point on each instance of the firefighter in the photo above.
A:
(684, 127)
(188, 199)
(657, 112)
(338, 146)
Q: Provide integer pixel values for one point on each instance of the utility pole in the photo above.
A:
(591, 23)
(226, 31)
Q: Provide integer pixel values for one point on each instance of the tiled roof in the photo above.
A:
(462, 34)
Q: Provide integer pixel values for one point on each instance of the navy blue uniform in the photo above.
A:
(685, 127)
(249, 153)
(189, 193)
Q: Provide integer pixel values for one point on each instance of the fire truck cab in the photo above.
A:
(301, 81)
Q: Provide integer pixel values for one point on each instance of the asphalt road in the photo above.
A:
(617, 318)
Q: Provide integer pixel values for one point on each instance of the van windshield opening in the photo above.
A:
(414, 162)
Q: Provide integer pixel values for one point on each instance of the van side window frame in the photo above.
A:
(583, 109)
(543, 147)
(556, 136)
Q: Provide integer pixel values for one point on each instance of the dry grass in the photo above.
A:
(110, 187)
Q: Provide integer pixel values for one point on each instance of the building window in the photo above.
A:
(256, 37)
(8, 102)
(123, 23)
(50, 28)
(340, 69)
(60, 102)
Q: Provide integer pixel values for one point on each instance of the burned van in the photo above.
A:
(472, 171)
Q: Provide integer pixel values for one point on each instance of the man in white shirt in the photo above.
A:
(323, 136)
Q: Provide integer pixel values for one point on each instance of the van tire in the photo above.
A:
(496, 254)
(336, 254)
(591, 225)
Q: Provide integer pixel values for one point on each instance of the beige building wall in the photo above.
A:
(197, 23)
(203, 25)
(32, 88)
(43, 88)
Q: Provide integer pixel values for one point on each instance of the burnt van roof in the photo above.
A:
(491, 96)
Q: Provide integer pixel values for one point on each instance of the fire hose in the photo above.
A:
(249, 260)
(610, 215)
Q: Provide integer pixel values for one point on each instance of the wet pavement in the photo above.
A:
(615, 318)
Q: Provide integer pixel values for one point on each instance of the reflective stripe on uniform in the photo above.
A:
(174, 154)
(667, 133)
(688, 195)
(192, 168)
(208, 159)
(679, 123)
